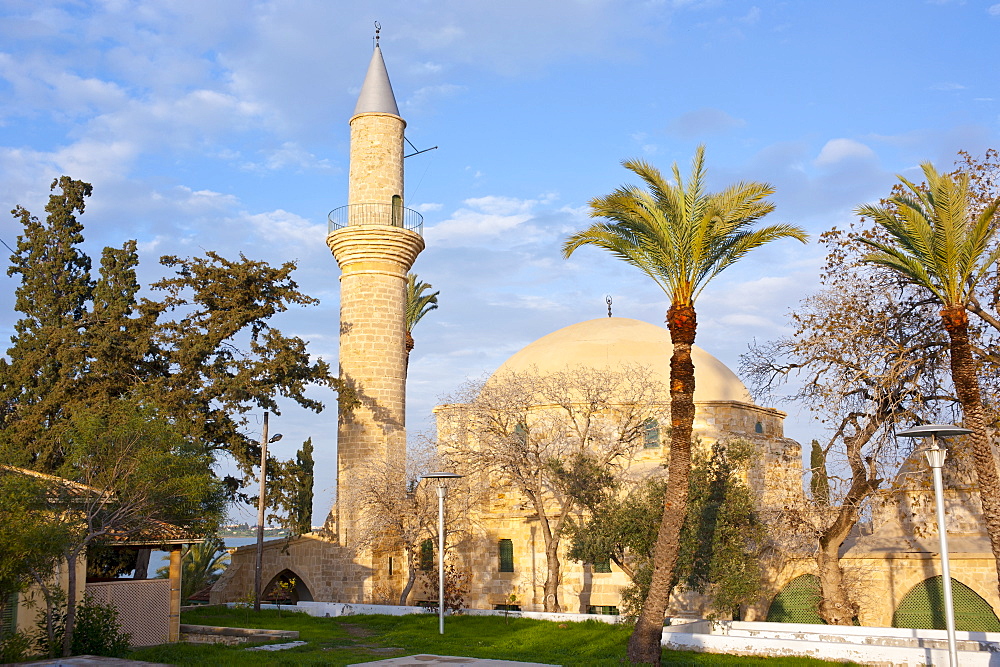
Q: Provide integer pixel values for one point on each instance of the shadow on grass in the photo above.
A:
(352, 639)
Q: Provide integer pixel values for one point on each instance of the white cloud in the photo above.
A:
(751, 17)
(947, 85)
(495, 218)
(289, 156)
(506, 205)
(199, 202)
(993, 10)
(838, 150)
(427, 94)
(285, 226)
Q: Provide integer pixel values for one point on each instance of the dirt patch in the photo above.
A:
(357, 630)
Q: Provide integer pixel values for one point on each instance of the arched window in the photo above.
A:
(602, 566)
(923, 607)
(797, 602)
(521, 433)
(758, 428)
(650, 434)
(427, 554)
(506, 553)
(397, 211)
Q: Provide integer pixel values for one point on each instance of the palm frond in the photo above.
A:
(936, 242)
(676, 232)
(418, 303)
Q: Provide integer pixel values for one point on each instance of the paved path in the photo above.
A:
(423, 660)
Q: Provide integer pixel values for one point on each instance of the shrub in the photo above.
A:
(15, 648)
(96, 631)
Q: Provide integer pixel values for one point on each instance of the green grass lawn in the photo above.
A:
(352, 639)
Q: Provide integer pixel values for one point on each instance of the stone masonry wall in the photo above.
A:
(376, 172)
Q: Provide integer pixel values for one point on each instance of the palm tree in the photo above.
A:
(938, 243)
(680, 236)
(201, 565)
(418, 304)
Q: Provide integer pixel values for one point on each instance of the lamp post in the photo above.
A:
(442, 488)
(260, 512)
(935, 459)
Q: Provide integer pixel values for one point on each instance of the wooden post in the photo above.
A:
(174, 617)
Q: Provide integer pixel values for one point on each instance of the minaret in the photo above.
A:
(375, 241)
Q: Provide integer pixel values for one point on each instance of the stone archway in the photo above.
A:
(286, 587)
(923, 607)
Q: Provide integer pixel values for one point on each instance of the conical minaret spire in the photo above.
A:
(376, 92)
(375, 240)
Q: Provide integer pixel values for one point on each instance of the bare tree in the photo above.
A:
(400, 512)
(554, 438)
(866, 356)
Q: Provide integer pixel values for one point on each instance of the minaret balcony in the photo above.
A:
(389, 215)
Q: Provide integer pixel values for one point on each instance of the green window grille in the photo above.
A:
(923, 607)
(603, 610)
(650, 434)
(758, 428)
(602, 566)
(8, 616)
(427, 555)
(506, 549)
(521, 433)
(797, 602)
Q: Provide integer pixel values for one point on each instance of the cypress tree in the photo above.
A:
(47, 357)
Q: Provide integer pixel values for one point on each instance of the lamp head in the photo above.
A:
(932, 430)
(441, 475)
(274, 438)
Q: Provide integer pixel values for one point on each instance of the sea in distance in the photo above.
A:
(159, 559)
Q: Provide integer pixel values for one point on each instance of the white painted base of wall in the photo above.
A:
(884, 646)
(346, 609)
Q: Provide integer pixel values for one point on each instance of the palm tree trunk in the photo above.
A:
(966, 380)
(644, 644)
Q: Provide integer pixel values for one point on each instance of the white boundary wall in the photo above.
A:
(883, 646)
(348, 609)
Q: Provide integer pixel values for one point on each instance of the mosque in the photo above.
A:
(375, 240)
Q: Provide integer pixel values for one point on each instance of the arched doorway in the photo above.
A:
(923, 607)
(286, 587)
(797, 602)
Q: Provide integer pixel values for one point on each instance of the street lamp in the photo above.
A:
(935, 459)
(260, 512)
(442, 488)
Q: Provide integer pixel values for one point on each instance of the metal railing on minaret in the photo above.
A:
(390, 215)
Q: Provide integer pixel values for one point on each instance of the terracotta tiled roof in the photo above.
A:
(75, 489)
(153, 533)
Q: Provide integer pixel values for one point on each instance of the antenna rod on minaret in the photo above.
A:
(377, 29)
(608, 299)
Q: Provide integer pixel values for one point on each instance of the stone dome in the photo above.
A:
(609, 342)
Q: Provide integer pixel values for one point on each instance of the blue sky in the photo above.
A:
(223, 125)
